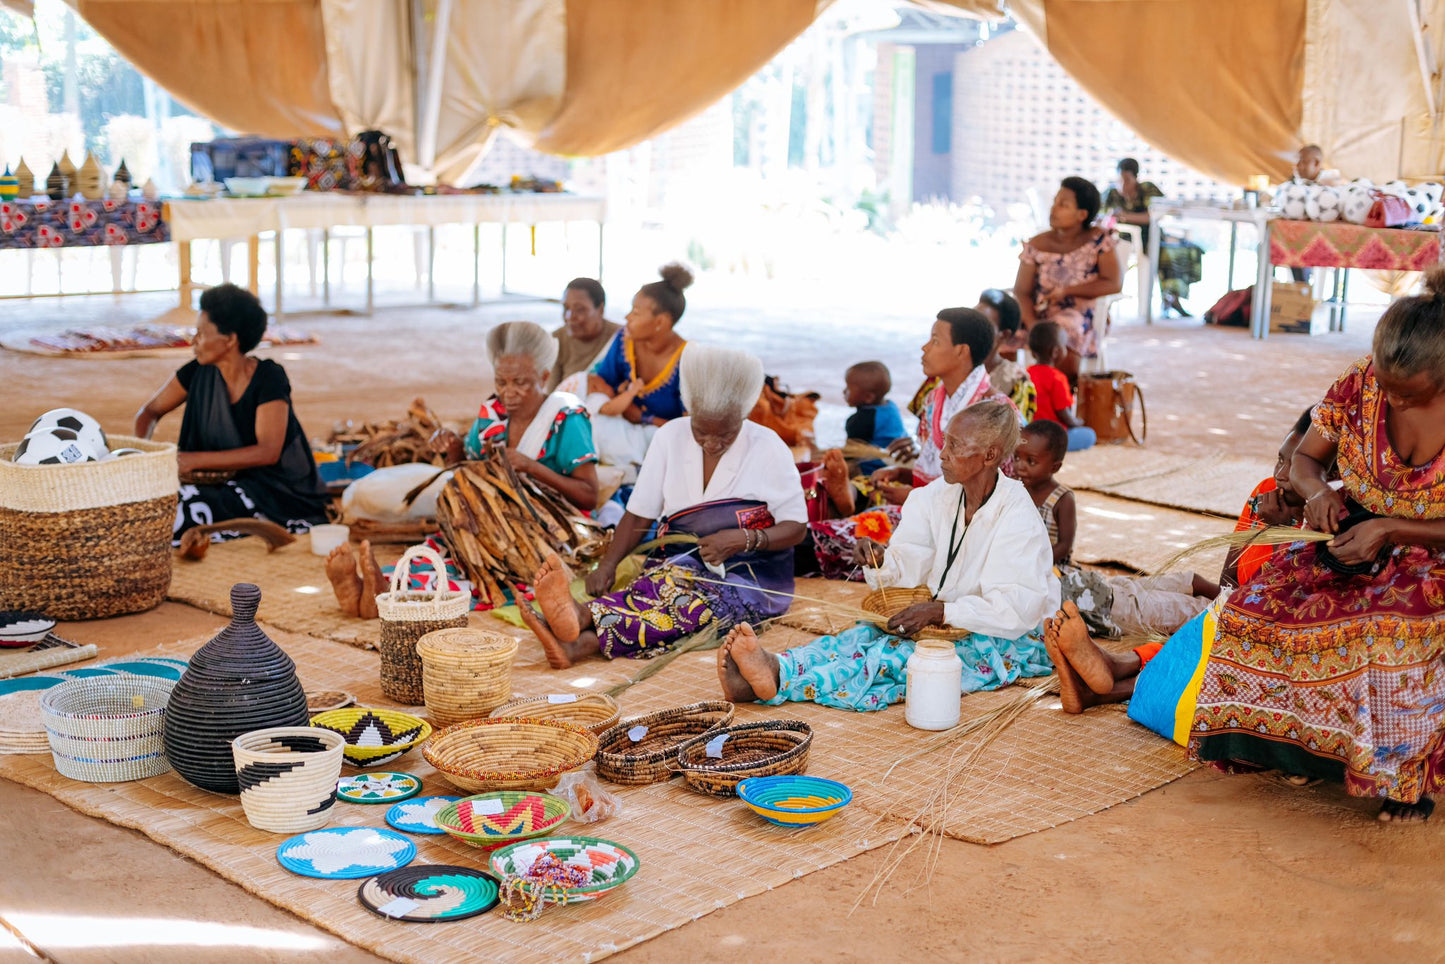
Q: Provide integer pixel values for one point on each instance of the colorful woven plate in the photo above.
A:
(492, 820)
(794, 801)
(382, 787)
(345, 853)
(427, 893)
(374, 737)
(603, 864)
(419, 815)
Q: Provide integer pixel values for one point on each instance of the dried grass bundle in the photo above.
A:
(396, 442)
(1268, 536)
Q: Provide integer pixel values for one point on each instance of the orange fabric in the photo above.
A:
(1216, 84)
(255, 66)
(1147, 652)
(635, 69)
(1252, 558)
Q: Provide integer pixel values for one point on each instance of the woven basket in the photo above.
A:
(466, 673)
(88, 540)
(651, 757)
(493, 820)
(893, 600)
(767, 749)
(408, 615)
(482, 755)
(105, 729)
(288, 776)
(374, 736)
(598, 712)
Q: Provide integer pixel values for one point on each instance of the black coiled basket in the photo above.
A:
(238, 682)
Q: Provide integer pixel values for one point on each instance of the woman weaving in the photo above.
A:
(545, 436)
(1318, 672)
(239, 422)
(731, 483)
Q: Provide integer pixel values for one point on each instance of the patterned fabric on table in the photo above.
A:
(1322, 674)
(1335, 244)
(62, 224)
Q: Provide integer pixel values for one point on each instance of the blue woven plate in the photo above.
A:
(344, 853)
(419, 815)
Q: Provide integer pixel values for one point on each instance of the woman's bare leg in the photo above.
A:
(1075, 693)
(735, 688)
(757, 666)
(341, 570)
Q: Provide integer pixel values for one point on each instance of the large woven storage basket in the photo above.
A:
(106, 729)
(643, 749)
(406, 616)
(88, 540)
(466, 673)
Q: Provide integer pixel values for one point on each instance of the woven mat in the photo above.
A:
(1214, 484)
(50, 651)
(295, 593)
(1139, 536)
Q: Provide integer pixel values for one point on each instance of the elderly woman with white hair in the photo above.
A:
(546, 436)
(714, 475)
(974, 539)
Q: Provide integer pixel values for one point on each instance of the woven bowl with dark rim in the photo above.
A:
(651, 758)
(374, 736)
(597, 712)
(766, 749)
(509, 754)
(891, 601)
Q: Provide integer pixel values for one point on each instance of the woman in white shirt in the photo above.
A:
(974, 538)
(712, 474)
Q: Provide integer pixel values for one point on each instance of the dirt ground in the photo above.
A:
(1209, 867)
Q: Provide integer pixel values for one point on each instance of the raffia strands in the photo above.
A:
(928, 825)
(1269, 536)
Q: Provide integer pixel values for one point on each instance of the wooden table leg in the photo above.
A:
(184, 258)
(253, 263)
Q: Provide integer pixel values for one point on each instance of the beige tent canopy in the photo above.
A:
(1231, 87)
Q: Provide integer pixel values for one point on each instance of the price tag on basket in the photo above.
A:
(561, 697)
(715, 745)
(488, 808)
(398, 908)
(637, 733)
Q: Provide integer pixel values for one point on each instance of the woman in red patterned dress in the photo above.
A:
(1341, 674)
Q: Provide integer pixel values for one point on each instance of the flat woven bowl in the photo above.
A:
(794, 801)
(889, 602)
(766, 749)
(478, 756)
(374, 736)
(644, 749)
(597, 712)
(502, 817)
(607, 864)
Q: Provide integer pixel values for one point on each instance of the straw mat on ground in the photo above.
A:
(1215, 484)
(1140, 536)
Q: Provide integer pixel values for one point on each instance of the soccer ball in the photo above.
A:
(1397, 188)
(1357, 204)
(1324, 204)
(1433, 190)
(1292, 199)
(52, 446)
(87, 428)
(1420, 205)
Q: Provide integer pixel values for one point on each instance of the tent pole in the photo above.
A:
(435, 68)
(1423, 55)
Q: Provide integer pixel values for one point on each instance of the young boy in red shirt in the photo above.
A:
(1049, 345)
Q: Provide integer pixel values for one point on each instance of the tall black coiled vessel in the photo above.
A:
(238, 682)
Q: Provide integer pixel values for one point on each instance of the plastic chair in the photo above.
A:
(1104, 308)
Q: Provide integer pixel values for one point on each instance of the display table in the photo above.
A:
(65, 224)
(225, 218)
(1161, 210)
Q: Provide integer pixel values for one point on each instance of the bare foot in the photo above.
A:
(552, 563)
(1393, 811)
(735, 688)
(1073, 693)
(554, 595)
(557, 657)
(372, 582)
(835, 482)
(341, 570)
(759, 668)
(1087, 659)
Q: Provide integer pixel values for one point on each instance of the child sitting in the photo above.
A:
(1110, 605)
(875, 419)
(1049, 344)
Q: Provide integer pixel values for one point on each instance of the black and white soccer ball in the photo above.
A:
(1324, 204)
(1292, 198)
(1357, 204)
(53, 446)
(87, 428)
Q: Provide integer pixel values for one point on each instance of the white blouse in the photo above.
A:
(1002, 580)
(757, 466)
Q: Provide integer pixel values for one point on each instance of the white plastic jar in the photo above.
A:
(934, 686)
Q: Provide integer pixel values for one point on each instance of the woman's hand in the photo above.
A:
(633, 414)
(895, 494)
(868, 552)
(722, 546)
(1324, 510)
(1362, 542)
(887, 475)
(903, 449)
(1057, 297)
(185, 462)
(447, 443)
(1273, 510)
(916, 617)
(521, 463)
(600, 580)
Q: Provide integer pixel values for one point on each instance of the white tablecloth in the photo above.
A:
(192, 219)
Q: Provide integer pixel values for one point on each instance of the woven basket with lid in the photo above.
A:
(409, 614)
(466, 672)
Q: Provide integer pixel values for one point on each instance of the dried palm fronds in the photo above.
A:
(1268, 536)
(858, 449)
(381, 444)
(500, 526)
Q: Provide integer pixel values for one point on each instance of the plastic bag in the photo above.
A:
(590, 803)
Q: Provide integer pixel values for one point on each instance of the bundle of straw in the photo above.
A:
(1267, 536)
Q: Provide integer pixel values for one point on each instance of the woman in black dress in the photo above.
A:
(238, 422)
